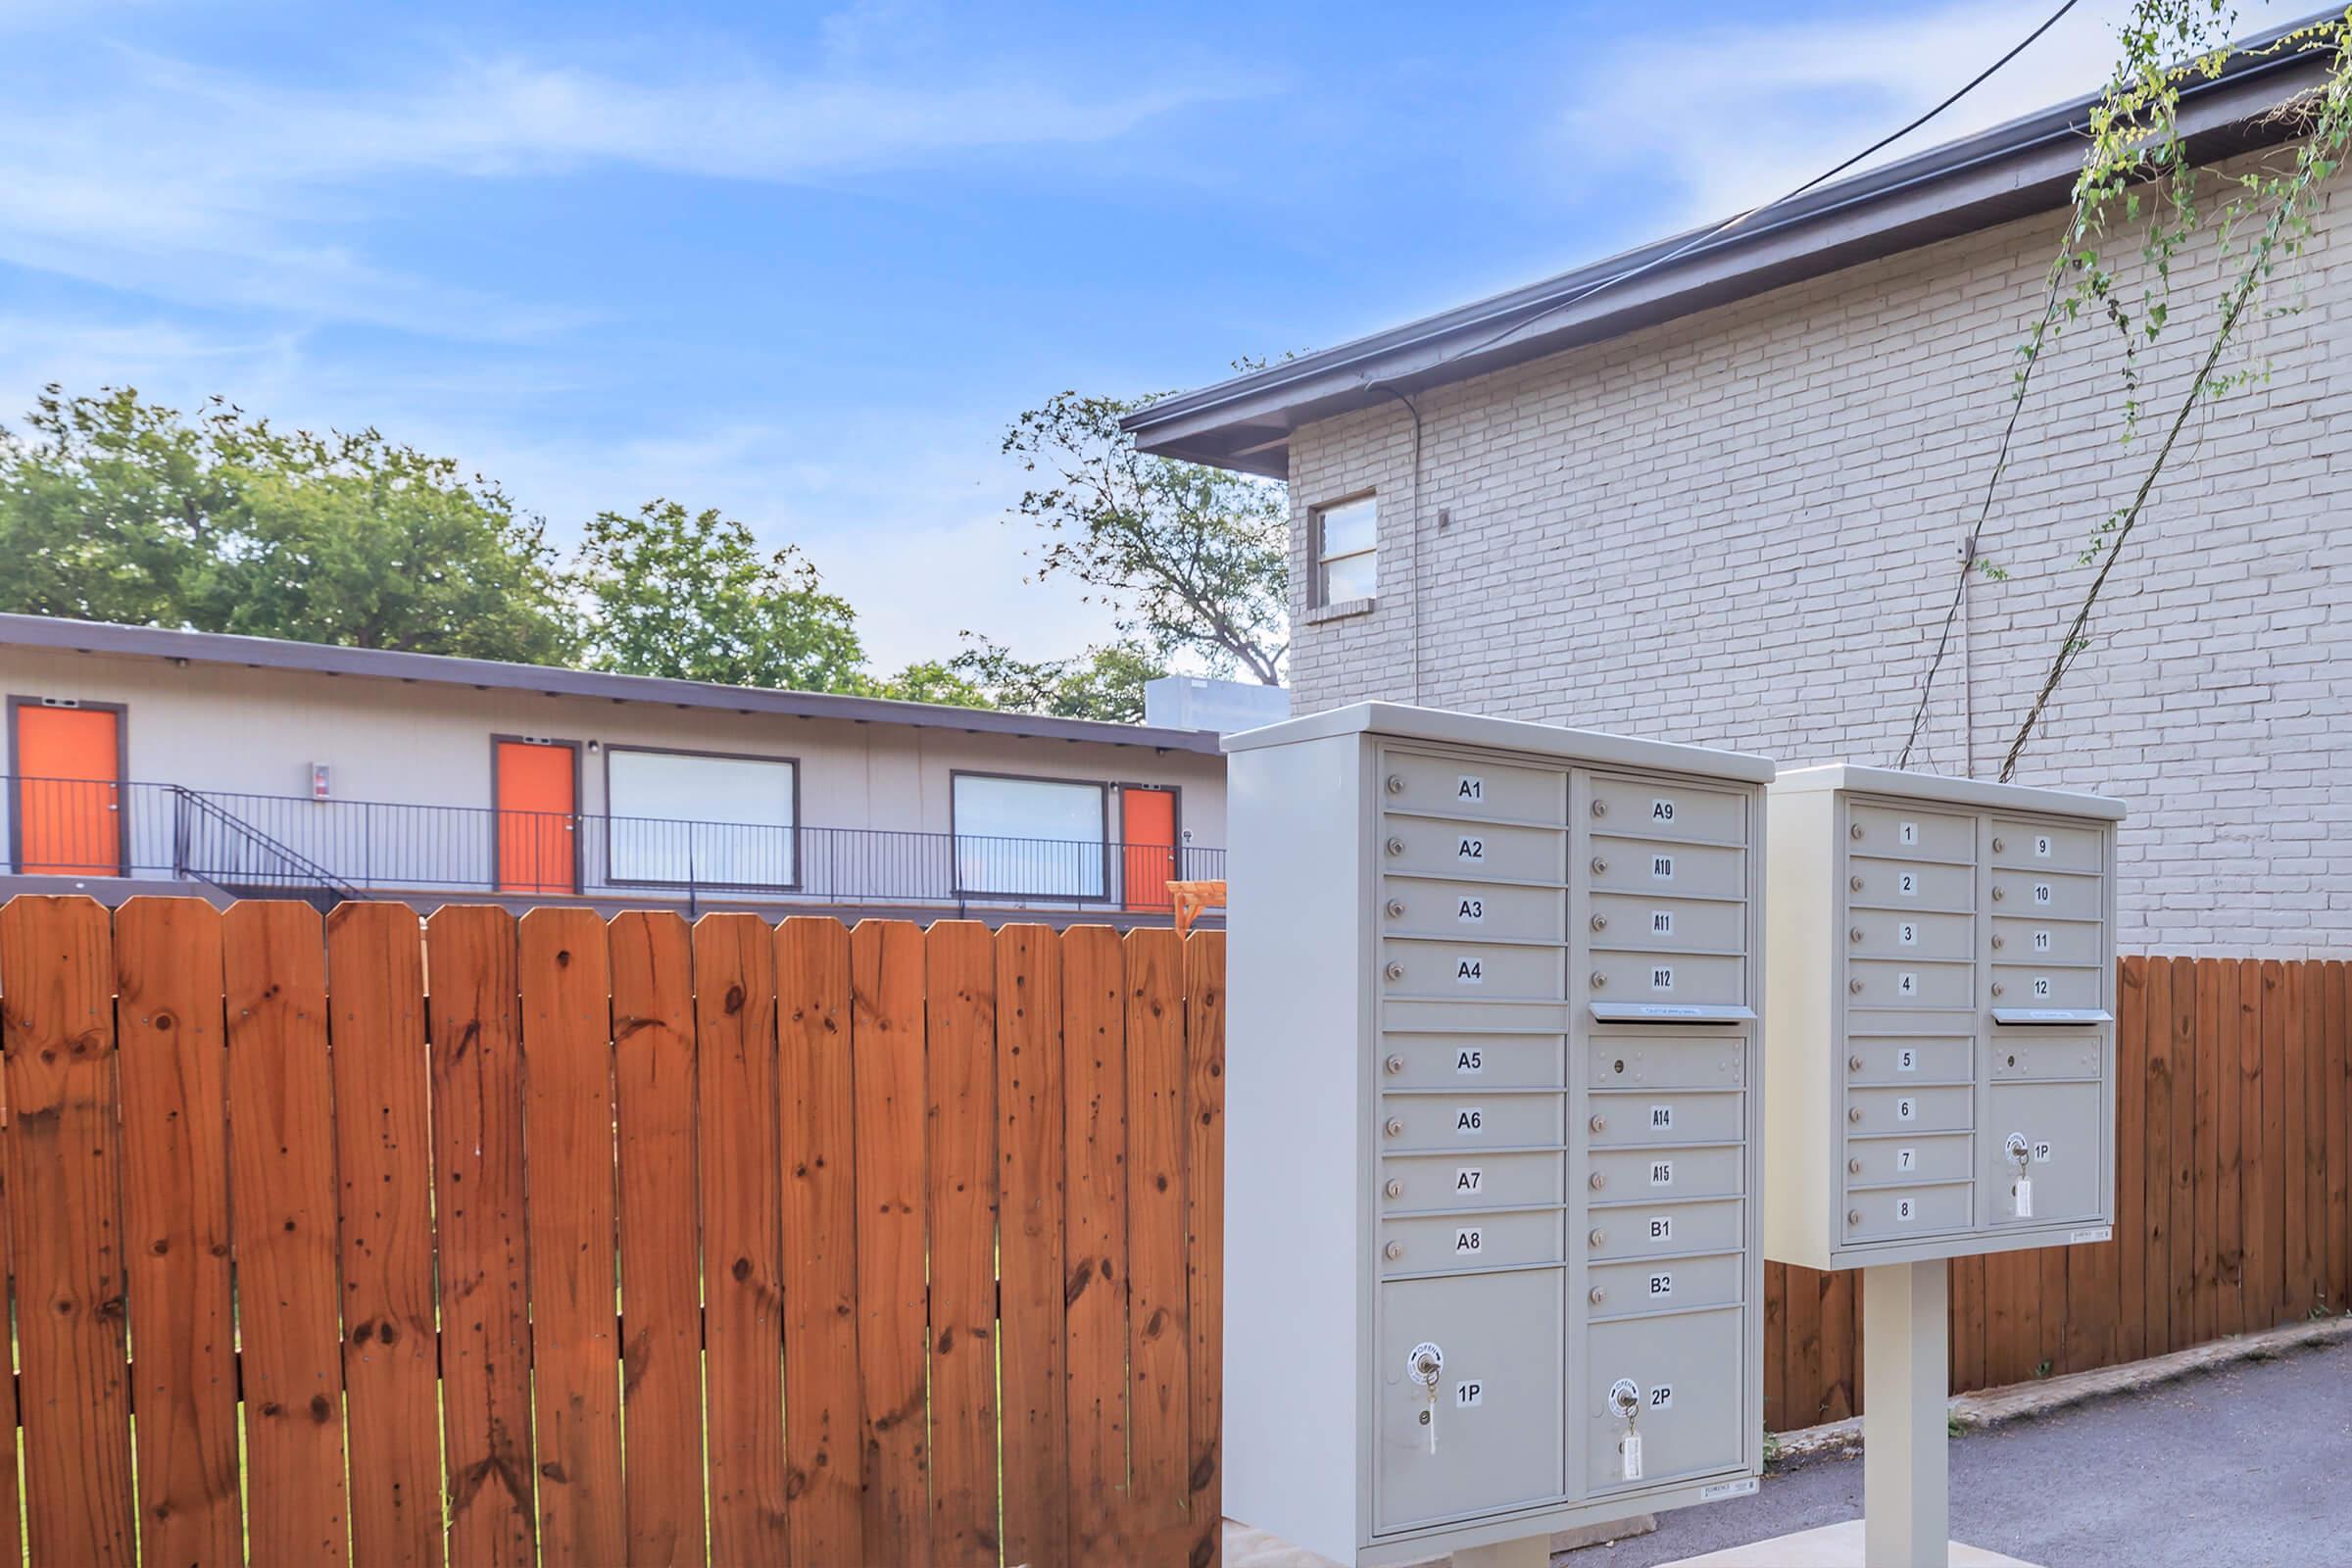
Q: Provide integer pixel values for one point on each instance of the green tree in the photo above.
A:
(927, 680)
(116, 508)
(694, 597)
(1104, 683)
(1191, 560)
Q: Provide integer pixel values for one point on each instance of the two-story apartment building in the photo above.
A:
(142, 760)
(1716, 490)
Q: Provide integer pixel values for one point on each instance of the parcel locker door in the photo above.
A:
(2060, 1126)
(1494, 1409)
(1685, 1373)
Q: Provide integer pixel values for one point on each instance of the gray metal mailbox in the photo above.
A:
(1941, 1047)
(1491, 1135)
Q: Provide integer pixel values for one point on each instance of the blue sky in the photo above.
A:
(805, 262)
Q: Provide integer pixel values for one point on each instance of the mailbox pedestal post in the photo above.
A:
(1906, 1356)
(1527, 1551)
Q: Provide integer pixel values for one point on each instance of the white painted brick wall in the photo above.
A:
(1742, 529)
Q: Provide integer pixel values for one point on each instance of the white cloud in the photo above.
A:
(1730, 118)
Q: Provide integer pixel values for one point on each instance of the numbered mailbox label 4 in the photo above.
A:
(1904, 983)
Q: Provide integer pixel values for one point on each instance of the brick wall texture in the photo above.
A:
(1742, 529)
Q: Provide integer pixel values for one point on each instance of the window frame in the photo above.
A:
(1101, 789)
(799, 860)
(1320, 559)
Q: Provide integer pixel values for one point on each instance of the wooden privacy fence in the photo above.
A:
(2234, 1153)
(889, 1245)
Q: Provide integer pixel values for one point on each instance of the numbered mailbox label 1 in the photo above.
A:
(1661, 1118)
(1469, 1180)
(1468, 1241)
(1469, 1121)
(1469, 1063)
(1661, 1227)
(1470, 787)
(1470, 849)
(1469, 1394)
(1661, 1173)
(1470, 911)
(1661, 867)
(1906, 834)
(1661, 1286)
(1661, 810)
(1469, 972)
(1661, 977)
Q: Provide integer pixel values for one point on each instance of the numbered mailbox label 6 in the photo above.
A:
(1497, 1401)
(1615, 1120)
(1893, 1111)
(1650, 809)
(1445, 1122)
(1661, 1229)
(1472, 788)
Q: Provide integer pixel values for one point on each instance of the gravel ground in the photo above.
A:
(2248, 1466)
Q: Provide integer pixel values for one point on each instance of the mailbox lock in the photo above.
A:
(1599, 1123)
(1598, 1238)
(1998, 988)
(1997, 940)
(1395, 909)
(1854, 934)
(1393, 1251)
(1853, 1113)
(1395, 1188)
(1997, 894)
(1853, 1167)
(2013, 1059)
(1600, 808)
(1854, 883)
(1597, 1181)
(1997, 845)
(1395, 971)
(1599, 864)
(1395, 1127)
(1396, 846)
(1599, 980)
(1600, 922)
(1852, 1064)
(1855, 832)
(1855, 986)
(1853, 1216)
(1395, 783)
(1394, 1065)
(1625, 1399)
(1618, 1066)
(1595, 1295)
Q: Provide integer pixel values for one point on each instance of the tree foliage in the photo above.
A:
(1104, 683)
(692, 595)
(116, 509)
(1191, 560)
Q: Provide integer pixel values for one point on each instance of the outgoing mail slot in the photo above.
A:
(1450, 1182)
(2073, 1054)
(1894, 983)
(1905, 1159)
(1903, 1110)
(1655, 810)
(1634, 1121)
(2055, 893)
(1663, 1285)
(1432, 907)
(2025, 940)
(1663, 1228)
(1638, 1176)
(1628, 1062)
(1894, 1214)
(1498, 1397)
(1435, 1122)
(2066, 1151)
(2044, 846)
(1415, 966)
(1663, 868)
(1900, 1059)
(2016, 986)
(1666, 977)
(1435, 1244)
(1467, 787)
(1911, 834)
(1689, 1377)
(1472, 851)
(1463, 1062)
(1909, 885)
(1905, 934)
(1668, 925)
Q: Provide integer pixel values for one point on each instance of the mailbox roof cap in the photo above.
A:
(1553, 743)
(1941, 788)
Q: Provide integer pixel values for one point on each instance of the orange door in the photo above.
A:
(538, 791)
(69, 800)
(1148, 845)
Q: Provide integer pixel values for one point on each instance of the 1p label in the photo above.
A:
(1469, 1394)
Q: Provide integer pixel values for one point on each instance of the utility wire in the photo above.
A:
(1730, 224)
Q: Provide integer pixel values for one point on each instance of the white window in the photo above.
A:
(1030, 836)
(1346, 550)
(715, 821)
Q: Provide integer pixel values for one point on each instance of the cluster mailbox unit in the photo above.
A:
(1940, 1049)
(1493, 1261)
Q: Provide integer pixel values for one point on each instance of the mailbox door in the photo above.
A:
(1688, 1373)
(2066, 1150)
(1498, 1407)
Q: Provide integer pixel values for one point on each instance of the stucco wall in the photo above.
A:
(1742, 529)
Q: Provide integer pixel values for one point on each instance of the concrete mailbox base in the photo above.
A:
(1829, 1547)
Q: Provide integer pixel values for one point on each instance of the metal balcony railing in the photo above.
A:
(256, 844)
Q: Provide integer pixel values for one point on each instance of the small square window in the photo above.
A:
(1346, 547)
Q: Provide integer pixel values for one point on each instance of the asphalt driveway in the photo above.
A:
(2246, 1467)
